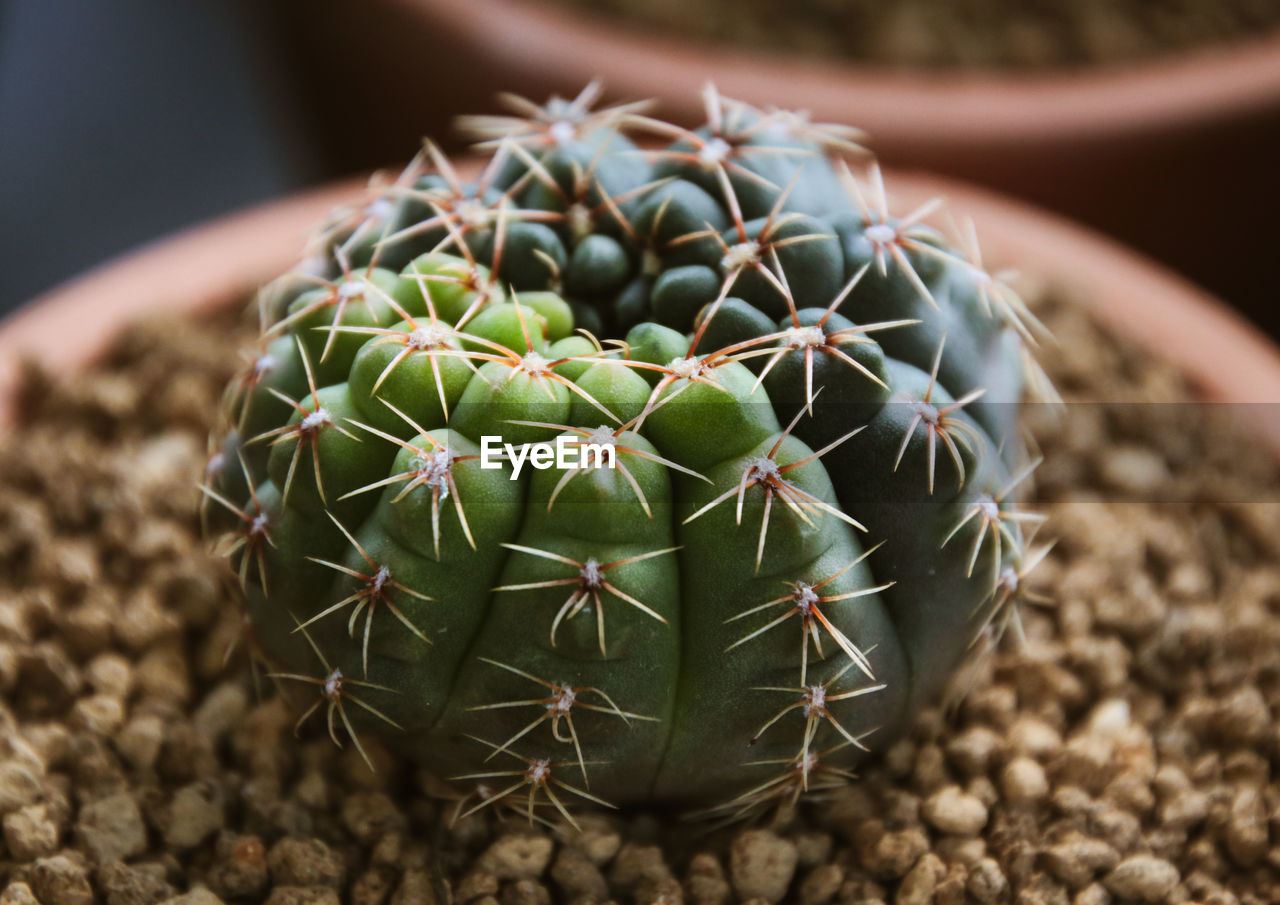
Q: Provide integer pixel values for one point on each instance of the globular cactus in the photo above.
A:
(785, 509)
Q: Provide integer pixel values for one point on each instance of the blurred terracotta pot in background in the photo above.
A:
(1177, 157)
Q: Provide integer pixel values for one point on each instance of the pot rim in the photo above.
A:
(182, 273)
(1226, 358)
(955, 109)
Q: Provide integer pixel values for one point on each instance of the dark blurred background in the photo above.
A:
(121, 121)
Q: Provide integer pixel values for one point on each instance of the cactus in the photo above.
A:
(753, 494)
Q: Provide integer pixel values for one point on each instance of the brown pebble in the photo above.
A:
(920, 883)
(19, 752)
(313, 791)
(70, 563)
(303, 895)
(1184, 810)
(951, 890)
(1035, 738)
(139, 741)
(1246, 832)
(821, 884)
(194, 814)
(305, 862)
(974, 750)
(87, 628)
(1093, 894)
(930, 769)
(1132, 615)
(1131, 791)
(145, 621)
(1076, 859)
(517, 857)
(524, 892)
(162, 675)
(1137, 470)
(50, 743)
(476, 884)
(1071, 800)
(1115, 826)
(221, 709)
(110, 674)
(1246, 767)
(122, 884)
(987, 881)
(984, 790)
(240, 866)
(111, 828)
(996, 706)
(961, 850)
(95, 766)
(899, 807)
(9, 664)
(18, 894)
(1244, 717)
(851, 807)
(1143, 878)
(705, 882)
(389, 849)
(19, 785)
(599, 841)
(29, 833)
(1086, 761)
(659, 891)
(370, 815)
(889, 855)
(61, 880)
(574, 875)
(761, 865)
(812, 848)
(637, 863)
(900, 757)
(417, 888)
(1023, 782)
(374, 885)
(951, 810)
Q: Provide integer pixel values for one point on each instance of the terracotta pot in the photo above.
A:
(220, 264)
(1175, 156)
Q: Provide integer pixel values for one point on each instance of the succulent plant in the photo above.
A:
(618, 473)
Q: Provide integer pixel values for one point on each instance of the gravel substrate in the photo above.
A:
(954, 34)
(1127, 753)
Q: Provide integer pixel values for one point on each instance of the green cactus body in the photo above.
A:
(800, 512)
